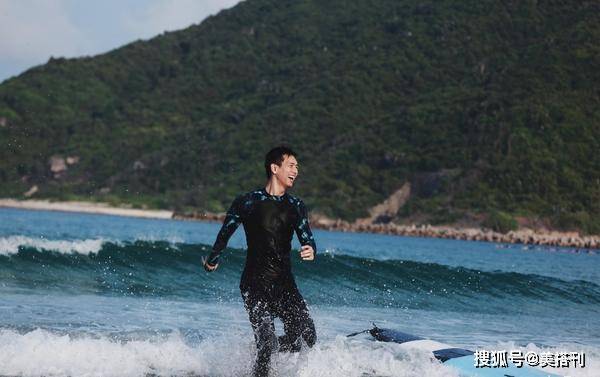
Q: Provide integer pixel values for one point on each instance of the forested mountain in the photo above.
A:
(488, 108)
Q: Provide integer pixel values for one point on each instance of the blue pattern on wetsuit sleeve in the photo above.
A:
(233, 218)
(303, 231)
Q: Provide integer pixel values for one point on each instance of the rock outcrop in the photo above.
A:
(29, 193)
(57, 164)
(387, 210)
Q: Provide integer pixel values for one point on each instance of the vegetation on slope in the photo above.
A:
(486, 107)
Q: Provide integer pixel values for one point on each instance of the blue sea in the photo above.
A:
(97, 295)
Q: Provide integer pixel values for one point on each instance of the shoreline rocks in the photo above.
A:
(524, 236)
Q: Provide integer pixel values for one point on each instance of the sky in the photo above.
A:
(32, 31)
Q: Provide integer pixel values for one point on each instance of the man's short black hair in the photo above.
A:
(276, 156)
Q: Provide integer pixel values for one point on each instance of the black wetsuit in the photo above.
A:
(267, 285)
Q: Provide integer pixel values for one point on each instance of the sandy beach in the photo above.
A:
(85, 207)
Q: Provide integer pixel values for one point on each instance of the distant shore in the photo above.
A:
(85, 207)
(522, 236)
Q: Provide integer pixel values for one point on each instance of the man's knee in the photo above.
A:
(292, 341)
(300, 327)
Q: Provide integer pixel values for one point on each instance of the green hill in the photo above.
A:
(488, 108)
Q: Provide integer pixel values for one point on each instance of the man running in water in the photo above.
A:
(270, 216)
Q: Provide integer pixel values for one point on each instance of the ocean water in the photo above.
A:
(96, 295)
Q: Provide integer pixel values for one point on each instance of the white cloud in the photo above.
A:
(168, 15)
(31, 31)
(34, 30)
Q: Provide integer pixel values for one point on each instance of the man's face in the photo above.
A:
(287, 172)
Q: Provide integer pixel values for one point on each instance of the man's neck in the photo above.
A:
(273, 187)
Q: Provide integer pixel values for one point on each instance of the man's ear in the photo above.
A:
(274, 168)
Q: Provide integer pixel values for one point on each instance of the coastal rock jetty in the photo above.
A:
(522, 236)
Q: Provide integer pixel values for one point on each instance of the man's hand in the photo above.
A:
(307, 253)
(207, 266)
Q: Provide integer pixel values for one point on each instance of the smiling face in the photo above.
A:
(287, 173)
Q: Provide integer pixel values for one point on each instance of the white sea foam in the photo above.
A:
(152, 237)
(11, 244)
(40, 352)
(358, 357)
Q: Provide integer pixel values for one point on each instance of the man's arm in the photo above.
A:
(304, 233)
(233, 218)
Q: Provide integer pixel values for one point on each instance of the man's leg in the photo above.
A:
(297, 323)
(261, 319)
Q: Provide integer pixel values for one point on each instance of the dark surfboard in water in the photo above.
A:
(461, 359)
